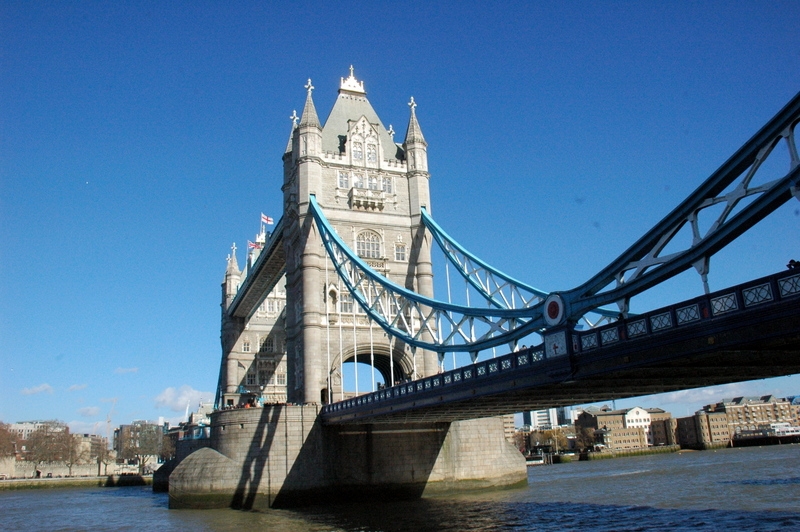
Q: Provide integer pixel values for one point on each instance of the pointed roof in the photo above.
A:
(414, 132)
(294, 118)
(351, 104)
(233, 266)
(309, 111)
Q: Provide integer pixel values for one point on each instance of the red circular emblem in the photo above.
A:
(552, 310)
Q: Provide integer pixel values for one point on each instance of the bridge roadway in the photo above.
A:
(747, 332)
(267, 270)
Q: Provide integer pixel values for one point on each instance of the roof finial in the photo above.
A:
(351, 84)
(412, 104)
(391, 131)
(294, 118)
(309, 86)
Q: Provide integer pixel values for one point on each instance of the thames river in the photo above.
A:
(755, 488)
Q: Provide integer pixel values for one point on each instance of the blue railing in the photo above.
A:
(686, 313)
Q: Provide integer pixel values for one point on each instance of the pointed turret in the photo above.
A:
(309, 111)
(414, 144)
(414, 132)
(233, 276)
(233, 264)
(309, 132)
(294, 118)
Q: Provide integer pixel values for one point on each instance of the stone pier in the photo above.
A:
(282, 455)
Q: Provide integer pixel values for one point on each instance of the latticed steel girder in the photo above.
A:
(643, 266)
(501, 290)
(420, 321)
(417, 320)
(496, 287)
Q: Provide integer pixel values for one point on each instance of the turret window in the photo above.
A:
(387, 185)
(400, 252)
(372, 153)
(368, 245)
(246, 346)
(344, 180)
(358, 151)
(372, 182)
(358, 180)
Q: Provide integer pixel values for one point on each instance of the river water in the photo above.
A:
(756, 488)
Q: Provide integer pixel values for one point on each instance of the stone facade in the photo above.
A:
(254, 365)
(372, 190)
(704, 430)
(717, 424)
(629, 428)
(749, 413)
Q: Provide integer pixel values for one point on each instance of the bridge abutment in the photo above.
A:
(282, 455)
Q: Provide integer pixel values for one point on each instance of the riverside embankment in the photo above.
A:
(110, 481)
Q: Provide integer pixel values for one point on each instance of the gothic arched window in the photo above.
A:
(368, 245)
(358, 151)
(372, 153)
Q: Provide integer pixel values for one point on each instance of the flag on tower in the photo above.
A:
(266, 219)
(253, 245)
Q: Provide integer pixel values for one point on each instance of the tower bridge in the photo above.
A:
(347, 276)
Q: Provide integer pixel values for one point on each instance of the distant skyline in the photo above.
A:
(138, 141)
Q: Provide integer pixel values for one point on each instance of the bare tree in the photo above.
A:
(167, 448)
(557, 438)
(520, 441)
(584, 438)
(103, 455)
(143, 443)
(72, 451)
(8, 440)
(46, 444)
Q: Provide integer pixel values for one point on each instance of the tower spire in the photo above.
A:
(414, 132)
(233, 266)
(414, 145)
(294, 118)
(309, 111)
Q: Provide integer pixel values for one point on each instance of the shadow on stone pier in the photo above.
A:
(282, 456)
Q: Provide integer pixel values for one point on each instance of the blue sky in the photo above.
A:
(139, 140)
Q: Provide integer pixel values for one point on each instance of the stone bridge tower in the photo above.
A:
(371, 189)
(290, 347)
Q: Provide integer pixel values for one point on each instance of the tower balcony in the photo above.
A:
(366, 199)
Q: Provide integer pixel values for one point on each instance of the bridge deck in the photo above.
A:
(264, 275)
(747, 332)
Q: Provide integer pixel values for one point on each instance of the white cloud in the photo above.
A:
(176, 400)
(700, 396)
(121, 371)
(89, 411)
(687, 402)
(87, 427)
(42, 388)
(76, 387)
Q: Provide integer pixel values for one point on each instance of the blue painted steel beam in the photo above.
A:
(780, 128)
